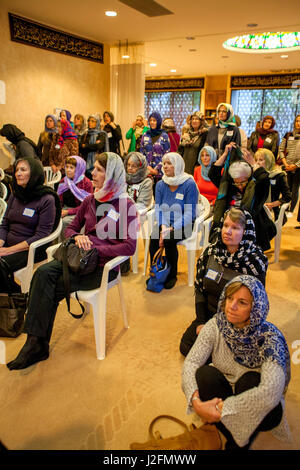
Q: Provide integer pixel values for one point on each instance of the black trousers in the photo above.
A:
(47, 290)
(293, 178)
(212, 383)
(170, 245)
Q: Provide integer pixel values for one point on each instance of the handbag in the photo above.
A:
(79, 261)
(205, 437)
(12, 306)
(159, 271)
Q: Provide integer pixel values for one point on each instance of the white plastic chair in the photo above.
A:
(97, 299)
(3, 206)
(278, 224)
(51, 178)
(4, 191)
(23, 276)
(191, 244)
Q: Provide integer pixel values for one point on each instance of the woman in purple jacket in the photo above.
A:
(110, 222)
(33, 212)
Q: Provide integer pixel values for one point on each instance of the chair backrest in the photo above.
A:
(278, 222)
(2, 174)
(204, 206)
(3, 206)
(50, 177)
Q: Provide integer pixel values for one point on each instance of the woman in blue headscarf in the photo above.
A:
(92, 142)
(207, 157)
(243, 390)
(154, 145)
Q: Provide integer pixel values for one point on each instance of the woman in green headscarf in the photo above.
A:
(225, 131)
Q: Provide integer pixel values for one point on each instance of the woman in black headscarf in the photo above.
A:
(33, 212)
(23, 146)
(113, 131)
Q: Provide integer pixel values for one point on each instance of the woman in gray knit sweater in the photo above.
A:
(242, 390)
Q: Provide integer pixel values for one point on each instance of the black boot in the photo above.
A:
(35, 349)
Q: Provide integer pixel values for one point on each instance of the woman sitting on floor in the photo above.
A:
(33, 212)
(104, 212)
(242, 391)
(235, 251)
(176, 199)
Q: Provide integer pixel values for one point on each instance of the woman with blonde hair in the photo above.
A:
(279, 189)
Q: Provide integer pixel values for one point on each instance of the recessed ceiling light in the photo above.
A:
(252, 25)
(111, 13)
(153, 65)
(284, 56)
(173, 70)
(125, 56)
(190, 38)
(192, 50)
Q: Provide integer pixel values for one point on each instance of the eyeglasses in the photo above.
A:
(242, 183)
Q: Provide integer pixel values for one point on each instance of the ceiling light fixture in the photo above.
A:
(173, 70)
(111, 13)
(284, 56)
(153, 65)
(262, 42)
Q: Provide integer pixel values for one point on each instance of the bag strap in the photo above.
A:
(66, 278)
(171, 418)
(156, 258)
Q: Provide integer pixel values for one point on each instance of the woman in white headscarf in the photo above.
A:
(109, 220)
(176, 198)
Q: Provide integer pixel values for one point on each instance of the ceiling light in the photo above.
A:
(252, 25)
(173, 70)
(284, 56)
(125, 56)
(190, 38)
(262, 42)
(153, 65)
(111, 13)
(192, 50)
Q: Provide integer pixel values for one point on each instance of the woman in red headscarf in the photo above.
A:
(265, 137)
(64, 144)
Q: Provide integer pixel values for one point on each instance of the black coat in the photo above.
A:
(271, 142)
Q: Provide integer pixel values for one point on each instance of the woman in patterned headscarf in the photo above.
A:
(242, 390)
(234, 251)
(64, 144)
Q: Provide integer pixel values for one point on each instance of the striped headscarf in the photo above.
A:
(67, 132)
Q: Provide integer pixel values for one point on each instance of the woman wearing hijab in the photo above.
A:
(176, 199)
(154, 145)
(264, 137)
(94, 141)
(242, 391)
(135, 133)
(168, 125)
(33, 212)
(65, 114)
(207, 157)
(289, 153)
(226, 131)
(107, 211)
(64, 144)
(139, 186)
(279, 192)
(234, 251)
(73, 189)
(23, 146)
(113, 131)
(45, 139)
(247, 187)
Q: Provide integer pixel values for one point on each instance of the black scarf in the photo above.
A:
(35, 187)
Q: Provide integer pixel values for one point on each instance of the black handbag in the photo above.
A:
(12, 305)
(77, 260)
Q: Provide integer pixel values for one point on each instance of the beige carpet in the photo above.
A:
(73, 401)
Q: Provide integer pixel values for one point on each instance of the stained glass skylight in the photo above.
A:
(264, 42)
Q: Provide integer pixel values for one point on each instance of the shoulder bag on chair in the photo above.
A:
(159, 271)
(79, 261)
(205, 437)
(12, 305)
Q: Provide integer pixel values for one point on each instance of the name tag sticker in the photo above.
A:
(109, 135)
(229, 133)
(273, 182)
(112, 214)
(211, 274)
(268, 139)
(135, 186)
(29, 212)
(292, 138)
(179, 196)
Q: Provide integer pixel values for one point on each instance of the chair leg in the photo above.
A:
(122, 302)
(135, 258)
(99, 312)
(146, 256)
(191, 254)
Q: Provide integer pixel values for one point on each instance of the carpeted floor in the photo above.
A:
(73, 401)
